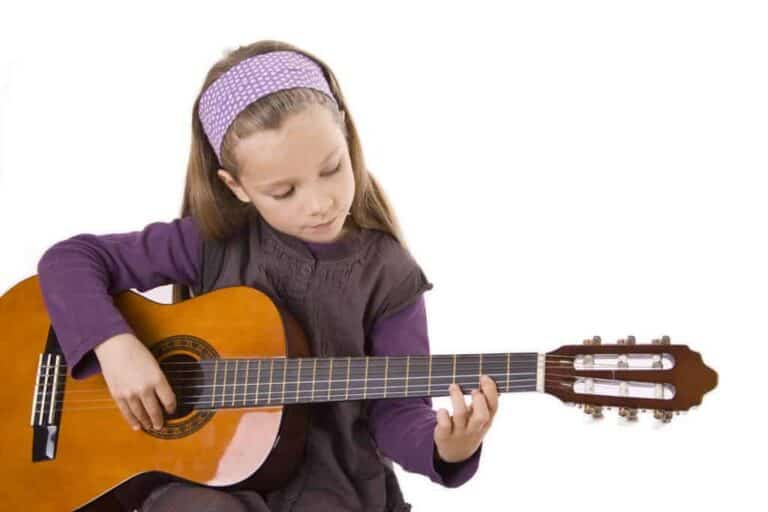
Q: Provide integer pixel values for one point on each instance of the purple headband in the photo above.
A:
(248, 81)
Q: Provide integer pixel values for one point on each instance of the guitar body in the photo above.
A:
(92, 450)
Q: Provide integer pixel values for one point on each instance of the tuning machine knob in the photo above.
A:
(664, 340)
(595, 410)
(629, 340)
(628, 413)
(663, 415)
(594, 341)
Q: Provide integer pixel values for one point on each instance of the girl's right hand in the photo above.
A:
(135, 381)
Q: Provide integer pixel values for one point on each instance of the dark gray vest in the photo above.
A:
(337, 298)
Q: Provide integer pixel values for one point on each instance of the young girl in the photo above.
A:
(277, 197)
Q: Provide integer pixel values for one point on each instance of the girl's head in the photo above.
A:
(283, 137)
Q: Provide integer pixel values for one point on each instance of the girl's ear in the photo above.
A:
(232, 185)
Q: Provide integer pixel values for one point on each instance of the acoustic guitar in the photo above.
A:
(243, 377)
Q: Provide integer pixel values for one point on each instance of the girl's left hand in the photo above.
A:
(457, 437)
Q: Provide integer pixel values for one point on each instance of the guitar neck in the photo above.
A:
(238, 383)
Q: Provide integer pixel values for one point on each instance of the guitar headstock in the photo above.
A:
(658, 376)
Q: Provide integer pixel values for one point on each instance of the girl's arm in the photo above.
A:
(403, 428)
(79, 275)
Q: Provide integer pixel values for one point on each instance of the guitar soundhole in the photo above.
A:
(180, 359)
(186, 378)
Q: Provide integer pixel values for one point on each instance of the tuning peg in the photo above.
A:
(630, 340)
(595, 410)
(665, 340)
(629, 413)
(662, 415)
(594, 341)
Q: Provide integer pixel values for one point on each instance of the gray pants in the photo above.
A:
(178, 496)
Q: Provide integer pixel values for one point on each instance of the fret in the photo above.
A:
(314, 371)
(258, 380)
(509, 356)
(365, 380)
(298, 381)
(213, 388)
(407, 369)
(349, 365)
(224, 384)
(480, 370)
(454, 369)
(417, 371)
(245, 381)
(285, 373)
(330, 374)
(386, 368)
(271, 373)
(429, 380)
(322, 378)
(234, 383)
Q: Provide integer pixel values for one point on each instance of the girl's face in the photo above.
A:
(299, 176)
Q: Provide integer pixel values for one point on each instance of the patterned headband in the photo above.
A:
(248, 81)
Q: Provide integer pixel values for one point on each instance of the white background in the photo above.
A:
(561, 169)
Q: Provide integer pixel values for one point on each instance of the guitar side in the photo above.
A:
(94, 450)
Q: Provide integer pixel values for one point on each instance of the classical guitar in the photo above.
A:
(243, 376)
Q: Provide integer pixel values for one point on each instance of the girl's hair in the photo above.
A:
(218, 212)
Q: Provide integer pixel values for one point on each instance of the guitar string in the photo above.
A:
(269, 393)
(439, 365)
(500, 357)
(291, 375)
(290, 379)
(336, 395)
(238, 377)
(439, 358)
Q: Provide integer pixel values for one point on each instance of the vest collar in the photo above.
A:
(346, 246)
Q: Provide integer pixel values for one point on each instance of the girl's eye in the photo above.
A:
(290, 191)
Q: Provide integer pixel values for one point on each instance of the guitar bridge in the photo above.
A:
(47, 398)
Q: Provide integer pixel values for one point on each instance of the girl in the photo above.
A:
(277, 197)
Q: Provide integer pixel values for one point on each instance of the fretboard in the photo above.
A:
(238, 383)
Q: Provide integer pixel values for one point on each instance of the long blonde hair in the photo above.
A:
(218, 213)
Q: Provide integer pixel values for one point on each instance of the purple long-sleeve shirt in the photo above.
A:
(78, 277)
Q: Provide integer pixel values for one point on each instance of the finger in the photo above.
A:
(444, 426)
(152, 406)
(480, 415)
(166, 395)
(139, 413)
(127, 414)
(460, 412)
(491, 392)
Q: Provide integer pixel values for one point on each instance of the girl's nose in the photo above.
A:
(320, 205)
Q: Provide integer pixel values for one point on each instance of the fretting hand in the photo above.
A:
(457, 437)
